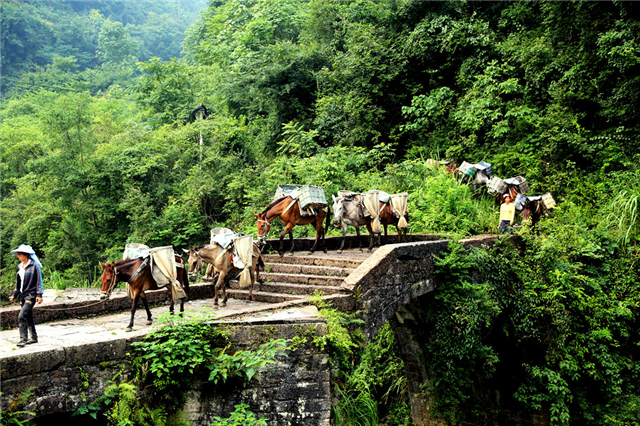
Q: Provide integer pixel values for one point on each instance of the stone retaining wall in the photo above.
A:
(295, 391)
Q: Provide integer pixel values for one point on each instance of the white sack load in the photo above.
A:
(134, 251)
(164, 271)
(243, 251)
(222, 236)
(399, 206)
(371, 200)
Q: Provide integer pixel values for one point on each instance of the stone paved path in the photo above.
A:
(111, 327)
(73, 332)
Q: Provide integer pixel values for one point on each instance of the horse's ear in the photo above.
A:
(256, 215)
(334, 198)
(103, 265)
(185, 250)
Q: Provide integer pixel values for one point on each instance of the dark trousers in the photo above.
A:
(505, 226)
(25, 319)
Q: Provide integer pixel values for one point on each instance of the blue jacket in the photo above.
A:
(32, 283)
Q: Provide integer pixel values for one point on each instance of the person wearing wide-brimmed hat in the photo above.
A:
(28, 291)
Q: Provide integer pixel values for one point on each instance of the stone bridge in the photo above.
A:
(76, 358)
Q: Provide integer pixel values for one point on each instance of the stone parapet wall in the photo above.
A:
(294, 391)
(395, 275)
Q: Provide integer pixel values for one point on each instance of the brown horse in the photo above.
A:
(288, 210)
(137, 273)
(387, 218)
(222, 262)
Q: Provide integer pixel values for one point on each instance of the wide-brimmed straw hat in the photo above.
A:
(23, 249)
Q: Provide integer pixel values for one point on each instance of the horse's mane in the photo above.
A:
(273, 203)
(121, 262)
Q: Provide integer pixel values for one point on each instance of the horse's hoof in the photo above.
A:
(281, 254)
(223, 304)
(339, 251)
(128, 329)
(291, 253)
(151, 322)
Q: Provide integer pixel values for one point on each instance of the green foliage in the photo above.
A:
(355, 409)
(245, 364)
(12, 414)
(240, 417)
(170, 355)
(167, 360)
(348, 95)
(341, 338)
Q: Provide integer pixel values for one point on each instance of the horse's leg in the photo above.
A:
(171, 296)
(386, 239)
(324, 242)
(221, 276)
(291, 240)
(134, 305)
(344, 236)
(224, 289)
(287, 229)
(146, 307)
(254, 277)
(370, 230)
(318, 225)
(358, 236)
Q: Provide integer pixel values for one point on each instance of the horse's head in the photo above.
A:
(108, 279)
(338, 209)
(263, 227)
(194, 261)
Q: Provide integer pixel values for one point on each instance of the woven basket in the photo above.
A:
(312, 196)
(284, 190)
(548, 201)
(467, 169)
(488, 168)
(496, 185)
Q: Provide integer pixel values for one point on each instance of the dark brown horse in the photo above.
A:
(288, 210)
(532, 209)
(387, 218)
(222, 263)
(137, 273)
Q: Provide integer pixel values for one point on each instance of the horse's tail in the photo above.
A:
(328, 220)
(261, 264)
(185, 275)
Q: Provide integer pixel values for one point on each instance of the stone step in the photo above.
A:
(289, 288)
(303, 279)
(285, 268)
(262, 296)
(336, 261)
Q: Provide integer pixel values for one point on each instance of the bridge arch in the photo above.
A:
(383, 288)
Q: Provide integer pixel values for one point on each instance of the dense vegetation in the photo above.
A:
(100, 149)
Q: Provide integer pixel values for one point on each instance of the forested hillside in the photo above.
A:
(99, 148)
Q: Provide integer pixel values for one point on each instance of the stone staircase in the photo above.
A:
(298, 277)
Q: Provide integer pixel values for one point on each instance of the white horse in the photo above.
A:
(347, 211)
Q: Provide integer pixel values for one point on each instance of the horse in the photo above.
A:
(288, 210)
(222, 262)
(387, 218)
(137, 273)
(347, 211)
(532, 209)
